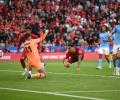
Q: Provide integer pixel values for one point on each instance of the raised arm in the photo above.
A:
(43, 36)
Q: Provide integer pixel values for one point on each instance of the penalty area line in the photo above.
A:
(51, 93)
(82, 75)
(87, 91)
(104, 76)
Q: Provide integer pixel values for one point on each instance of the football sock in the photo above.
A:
(23, 63)
(100, 62)
(119, 63)
(117, 67)
(114, 63)
(107, 59)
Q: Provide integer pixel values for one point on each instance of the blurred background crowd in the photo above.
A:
(67, 20)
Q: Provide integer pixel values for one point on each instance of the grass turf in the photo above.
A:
(60, 84)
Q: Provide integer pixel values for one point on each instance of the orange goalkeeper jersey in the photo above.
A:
(32, 51)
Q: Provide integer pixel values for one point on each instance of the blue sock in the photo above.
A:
(119, 63)
(107, 59)
(100, 62)
(116, 62)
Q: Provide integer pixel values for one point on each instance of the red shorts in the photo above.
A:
(23, 55)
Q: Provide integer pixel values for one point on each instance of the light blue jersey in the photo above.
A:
(104, 36)
(113, 37)
(116, 31)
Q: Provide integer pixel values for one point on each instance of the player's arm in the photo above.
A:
(112, 31)
(79, 62)
(64, 59)
(66, 56)
(43, 36)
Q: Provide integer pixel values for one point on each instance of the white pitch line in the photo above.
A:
(51, 93)
(83, 75)
(87, 91)
(10, 71)
(104, 76)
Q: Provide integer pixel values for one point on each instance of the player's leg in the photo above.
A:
(118, 64)
(100, 61)
(111, 60)
(108, 60)
(115, 60)
(101, 51)
(41, 72)
(114, 63)
(42, 62)
(107, 52)
(22, 61)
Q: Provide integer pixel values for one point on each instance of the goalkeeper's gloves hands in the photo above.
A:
(46, 31)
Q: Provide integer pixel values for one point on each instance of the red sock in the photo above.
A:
(22, 61)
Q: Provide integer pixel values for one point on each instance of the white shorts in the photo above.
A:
(104, 50)
(116, 49)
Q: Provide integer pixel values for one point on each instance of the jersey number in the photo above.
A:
(28, 49)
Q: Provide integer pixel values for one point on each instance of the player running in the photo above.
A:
(103, 46)
(33, 56)
(73, 55)
(116, 48)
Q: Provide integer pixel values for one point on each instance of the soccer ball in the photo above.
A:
(66, 64)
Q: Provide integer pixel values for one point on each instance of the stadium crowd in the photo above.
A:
(67, 20)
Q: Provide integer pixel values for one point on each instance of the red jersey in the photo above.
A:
(73, 57)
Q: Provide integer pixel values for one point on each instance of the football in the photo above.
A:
(67, 65)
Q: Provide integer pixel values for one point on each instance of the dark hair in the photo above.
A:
(27, 35)
(107, 28)
(71, 44)
(118, 18)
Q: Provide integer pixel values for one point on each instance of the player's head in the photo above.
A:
(119, 20)
(71, 48)
(27, 36)
(104, 28)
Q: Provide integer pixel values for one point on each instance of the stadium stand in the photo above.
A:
(68, 20)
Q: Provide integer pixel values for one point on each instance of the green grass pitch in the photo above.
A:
(60, 84)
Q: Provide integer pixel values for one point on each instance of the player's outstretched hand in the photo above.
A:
(46, 31)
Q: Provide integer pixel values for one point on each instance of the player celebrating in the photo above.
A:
(73, 55)
(116, 47)
(103, 46)
(33, 56)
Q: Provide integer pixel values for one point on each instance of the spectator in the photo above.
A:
(66, 19)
